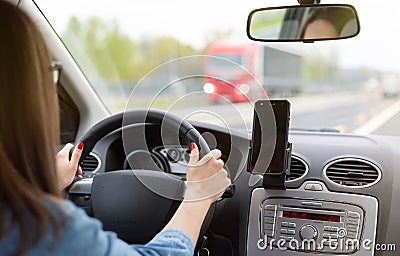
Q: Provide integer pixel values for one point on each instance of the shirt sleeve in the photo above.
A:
(83, 235)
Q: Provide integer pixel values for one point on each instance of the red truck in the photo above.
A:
(241, 71)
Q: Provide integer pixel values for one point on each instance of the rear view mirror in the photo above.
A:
(303, 23)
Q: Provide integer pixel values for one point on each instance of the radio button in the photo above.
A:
(352, 235)
(268, 226)
(330, 236)
(269, 233)
(270, 214)
(291, 232)
(284, 231)
(351, 214)
(269, 220)
(353, 221)
(284, 224)
(352, 228)
(271, 207)
(330, 229)
(292, 225)
(334, 229)
(308, 232)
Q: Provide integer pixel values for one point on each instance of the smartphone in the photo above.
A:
(269, 144)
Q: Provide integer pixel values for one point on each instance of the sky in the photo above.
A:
(376, 46)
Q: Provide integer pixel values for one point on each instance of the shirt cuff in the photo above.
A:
(175, 238)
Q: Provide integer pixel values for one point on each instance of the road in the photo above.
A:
(343, 111)
(391, 127)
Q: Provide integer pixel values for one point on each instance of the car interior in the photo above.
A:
(335, 190)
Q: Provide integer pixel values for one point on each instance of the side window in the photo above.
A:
(69, 116)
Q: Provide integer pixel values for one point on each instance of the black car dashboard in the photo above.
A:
(341, 187)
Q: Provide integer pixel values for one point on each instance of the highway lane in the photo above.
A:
(387, 122)
(343, 111)
(345, 117)
(391, 127)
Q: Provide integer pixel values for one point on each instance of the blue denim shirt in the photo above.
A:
(83, 235)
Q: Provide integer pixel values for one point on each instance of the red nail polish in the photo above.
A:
(192, 146)
(80, 146)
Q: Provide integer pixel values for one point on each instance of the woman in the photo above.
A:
(34, 218)
(328, 23)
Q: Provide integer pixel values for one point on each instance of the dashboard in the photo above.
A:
(171, 159)
(337, 182)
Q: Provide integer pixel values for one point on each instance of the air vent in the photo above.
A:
(298, 169)
(352, 172)
(91, 163)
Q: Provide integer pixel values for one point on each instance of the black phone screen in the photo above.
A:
(269, 138)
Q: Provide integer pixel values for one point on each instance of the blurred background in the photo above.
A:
(135, 54)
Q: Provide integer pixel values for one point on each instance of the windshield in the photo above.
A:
(223, 60)
(194, 59)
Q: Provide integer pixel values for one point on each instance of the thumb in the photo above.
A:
(65, 150)
(194, 154)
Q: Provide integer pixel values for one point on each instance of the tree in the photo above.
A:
(103, 50)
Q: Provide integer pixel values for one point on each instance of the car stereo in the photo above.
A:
(335, 228)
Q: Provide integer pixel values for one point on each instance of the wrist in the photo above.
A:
(199, 204)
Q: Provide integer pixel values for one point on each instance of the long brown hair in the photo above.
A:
(29, 128)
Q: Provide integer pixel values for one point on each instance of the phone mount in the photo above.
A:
(277, 180)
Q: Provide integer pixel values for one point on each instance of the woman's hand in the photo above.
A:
(206, 179)
(67, 169)
(206, 182)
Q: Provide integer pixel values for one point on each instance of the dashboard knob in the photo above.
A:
(308, 232)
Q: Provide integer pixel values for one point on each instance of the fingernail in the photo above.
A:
(80, 146)
(192, 146)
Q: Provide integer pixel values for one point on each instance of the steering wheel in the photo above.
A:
(123, 200)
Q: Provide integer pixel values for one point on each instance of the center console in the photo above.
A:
(311, 220)
(303, 221)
